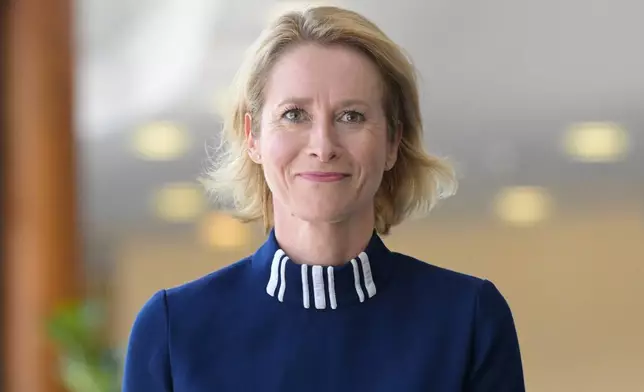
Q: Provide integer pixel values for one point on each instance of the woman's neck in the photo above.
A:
(322, 243)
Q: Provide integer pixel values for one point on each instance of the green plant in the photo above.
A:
(87, 363)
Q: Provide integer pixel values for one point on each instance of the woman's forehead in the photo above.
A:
(314, 72)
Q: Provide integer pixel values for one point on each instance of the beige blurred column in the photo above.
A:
(39, 244)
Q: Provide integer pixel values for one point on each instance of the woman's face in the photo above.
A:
(323, 141)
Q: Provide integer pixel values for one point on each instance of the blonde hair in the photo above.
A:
(416, 181)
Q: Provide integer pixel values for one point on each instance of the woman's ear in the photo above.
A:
(252, 143)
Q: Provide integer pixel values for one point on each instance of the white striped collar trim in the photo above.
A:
(314, 281)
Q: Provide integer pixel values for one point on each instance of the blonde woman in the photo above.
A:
(324, 145)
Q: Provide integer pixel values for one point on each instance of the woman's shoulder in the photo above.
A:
(472, 310)
(436, 282)
(211, 288)
(426, 272)
(225, 278)
(188, 299)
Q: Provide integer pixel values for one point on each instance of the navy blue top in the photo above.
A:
(381, 322)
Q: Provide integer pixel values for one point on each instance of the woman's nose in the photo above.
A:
(323, 142)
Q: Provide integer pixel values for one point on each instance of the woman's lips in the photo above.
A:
(323, 176)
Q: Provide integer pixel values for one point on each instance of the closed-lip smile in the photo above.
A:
(320, 176)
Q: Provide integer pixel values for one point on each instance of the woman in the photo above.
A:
(324, 144)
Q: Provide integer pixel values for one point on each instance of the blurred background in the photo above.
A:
(110, 110)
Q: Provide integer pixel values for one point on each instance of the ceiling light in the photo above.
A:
(222, 231)
(179, 202)
(596, 142)
(523, 206)
(160, 141)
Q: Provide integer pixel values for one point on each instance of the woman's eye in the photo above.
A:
(294, 115)
(352, 117)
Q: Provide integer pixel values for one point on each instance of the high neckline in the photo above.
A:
(317, 287)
